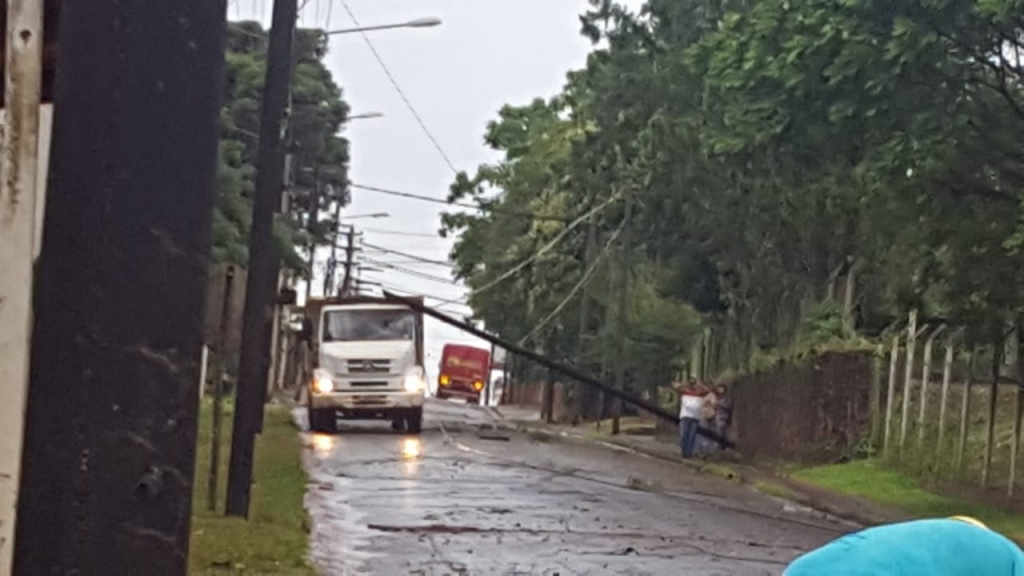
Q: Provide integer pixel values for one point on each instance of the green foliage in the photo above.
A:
(772, 150)
(822, 325)
(320, 156)
(275, 539)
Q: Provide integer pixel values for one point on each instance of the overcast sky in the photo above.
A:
(485, 54)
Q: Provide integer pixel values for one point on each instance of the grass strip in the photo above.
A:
(874, 481)
(275, 540)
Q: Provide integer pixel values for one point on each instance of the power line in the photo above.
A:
(407, 255)
(572, 293)
(400, 233)
(400, 91)
(442, 301)
(415, 273)
(481, 207)
(546, 247)
(409, 262)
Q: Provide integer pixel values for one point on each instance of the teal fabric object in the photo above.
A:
(934, 547)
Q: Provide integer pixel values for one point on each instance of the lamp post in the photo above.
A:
(365, 116)
(270, 175)
(428, 22)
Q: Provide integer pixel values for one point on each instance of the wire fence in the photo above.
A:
(952, 412)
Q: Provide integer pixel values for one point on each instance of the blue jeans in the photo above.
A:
(688, 436)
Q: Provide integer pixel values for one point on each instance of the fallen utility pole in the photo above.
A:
(258, 312)
(23, 75)
(110, 438)
(550, 364)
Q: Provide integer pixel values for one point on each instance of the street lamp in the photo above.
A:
(428, 22)
(365, 116)
(373, 215)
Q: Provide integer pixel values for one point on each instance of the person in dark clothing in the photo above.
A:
(723, 409)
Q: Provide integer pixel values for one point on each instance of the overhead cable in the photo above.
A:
(483, 207)
(572, 293)
(400, 91)
(544, 249)
(407, 255)
(415, 273)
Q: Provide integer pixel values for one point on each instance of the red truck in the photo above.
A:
(464, 372)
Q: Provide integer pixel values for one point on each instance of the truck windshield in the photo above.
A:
(355, 325)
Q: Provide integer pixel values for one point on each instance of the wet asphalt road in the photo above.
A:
(452, 502)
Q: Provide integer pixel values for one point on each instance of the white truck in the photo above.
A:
(365, 362)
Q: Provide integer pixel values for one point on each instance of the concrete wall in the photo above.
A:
(531, 395)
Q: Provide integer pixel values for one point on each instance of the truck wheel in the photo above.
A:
(398, 424)
(323, 420)
(414, 421)
(441, 395)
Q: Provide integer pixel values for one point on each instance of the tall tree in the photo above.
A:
(319, 153)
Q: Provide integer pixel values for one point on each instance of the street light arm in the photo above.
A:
(428, 22)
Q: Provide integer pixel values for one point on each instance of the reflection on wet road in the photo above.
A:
(449, 502)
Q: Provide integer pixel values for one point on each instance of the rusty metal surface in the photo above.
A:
(815, 410)
(453, 502)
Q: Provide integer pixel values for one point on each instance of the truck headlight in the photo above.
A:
(415, 381)
(323, 383)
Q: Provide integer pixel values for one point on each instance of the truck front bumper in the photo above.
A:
(367, 403)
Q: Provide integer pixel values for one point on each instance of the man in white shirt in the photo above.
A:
(691, 400)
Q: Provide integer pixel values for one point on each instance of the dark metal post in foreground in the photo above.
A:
(261, 282)
(110, 437)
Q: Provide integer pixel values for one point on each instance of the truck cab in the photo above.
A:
(464, 372)
(366, 362)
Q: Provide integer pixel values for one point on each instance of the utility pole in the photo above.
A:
(332, 262)
(488, 385)
(580, 393)
(213, 477)
(23, 74)
(259, 289)
(311, 221)
(350, 249)
(109, 452)
(620, 353)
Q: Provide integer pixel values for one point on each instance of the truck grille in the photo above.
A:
(368, 384)
(369, 366)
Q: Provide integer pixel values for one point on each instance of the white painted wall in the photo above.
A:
(20, 239)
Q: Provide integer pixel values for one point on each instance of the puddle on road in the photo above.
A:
(412, 448)
(341, 537)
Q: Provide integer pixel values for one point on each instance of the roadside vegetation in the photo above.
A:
(884, 485)
(275, 540)
(753, 176)
(319, 155)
